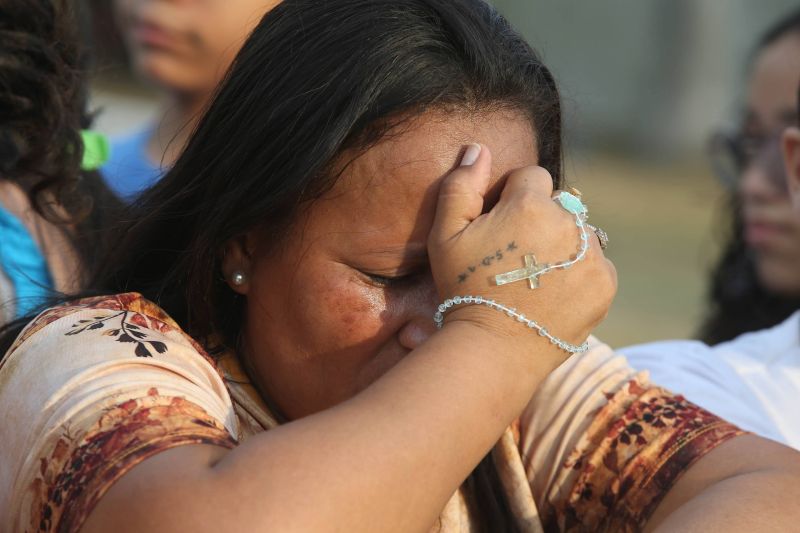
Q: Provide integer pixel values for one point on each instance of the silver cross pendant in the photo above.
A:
(531, 272)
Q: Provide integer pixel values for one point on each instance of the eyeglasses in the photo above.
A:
(733, 153)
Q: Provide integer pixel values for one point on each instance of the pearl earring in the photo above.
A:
(238, 278)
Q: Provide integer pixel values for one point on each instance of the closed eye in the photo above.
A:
(392, 281)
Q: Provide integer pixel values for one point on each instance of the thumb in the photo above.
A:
(461, 194)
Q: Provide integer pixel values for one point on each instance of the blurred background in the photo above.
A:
(644, 83)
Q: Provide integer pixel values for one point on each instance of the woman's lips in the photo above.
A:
(152, 35)
(760, 233)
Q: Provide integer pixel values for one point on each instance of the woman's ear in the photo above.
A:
(791, 158)
(237, 262)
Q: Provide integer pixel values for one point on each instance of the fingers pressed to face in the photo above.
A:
(462, 192)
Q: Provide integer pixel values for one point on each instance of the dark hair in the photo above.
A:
(738, 301)
(40, 96)
(314, 79)
(787, 25)
(42, 110)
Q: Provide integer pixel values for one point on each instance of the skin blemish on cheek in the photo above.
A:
(355, 308)
(351, 323)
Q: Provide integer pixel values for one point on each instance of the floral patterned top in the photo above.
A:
(92, 388)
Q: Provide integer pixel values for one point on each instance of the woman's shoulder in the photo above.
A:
(127, 318)
(751, 380)
(777, 345)
(766, 346)
(91, 388)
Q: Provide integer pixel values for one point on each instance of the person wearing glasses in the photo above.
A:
(756, 282)
(747, 370)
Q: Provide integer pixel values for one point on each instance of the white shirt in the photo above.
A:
(752, 381)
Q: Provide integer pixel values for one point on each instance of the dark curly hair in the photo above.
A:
(42, 111)
(41, 96)
(738, 301)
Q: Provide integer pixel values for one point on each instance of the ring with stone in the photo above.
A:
(571, 203)
(602, 236)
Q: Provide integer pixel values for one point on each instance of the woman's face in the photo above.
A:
(772, 228)
(350, 292)
(185, 46)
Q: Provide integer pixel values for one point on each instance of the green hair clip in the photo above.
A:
(96, 150)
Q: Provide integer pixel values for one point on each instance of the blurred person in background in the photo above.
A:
(50, 209)
(183, 48)
(756, 283)
(754, 378)
(791, 154)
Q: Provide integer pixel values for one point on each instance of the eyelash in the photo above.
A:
(386, 281)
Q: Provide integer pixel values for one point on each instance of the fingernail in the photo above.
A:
(471, 155)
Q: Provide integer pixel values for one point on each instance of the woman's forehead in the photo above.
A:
(772, 91)
(388, 195)
(428, 147)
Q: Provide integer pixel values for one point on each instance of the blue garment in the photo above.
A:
(129, 171)
(23, 264)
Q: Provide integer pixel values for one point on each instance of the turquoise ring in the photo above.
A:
(571, 203)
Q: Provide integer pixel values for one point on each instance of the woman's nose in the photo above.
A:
(420, 308)
(757, 185)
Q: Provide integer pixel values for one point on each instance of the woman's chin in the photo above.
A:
(781, 278)
(168, 73)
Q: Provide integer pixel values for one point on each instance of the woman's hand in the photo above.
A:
(467, 249)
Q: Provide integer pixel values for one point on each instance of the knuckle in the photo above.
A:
(602, 274)
(529, 202)
(613, 282)
(543, 176)
(606, 280)
(534, 174)
(439, 243)
(453, 186)
(434, 242)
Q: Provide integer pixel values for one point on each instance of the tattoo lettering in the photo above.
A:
(486, 261)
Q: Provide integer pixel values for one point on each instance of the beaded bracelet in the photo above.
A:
(438, 318)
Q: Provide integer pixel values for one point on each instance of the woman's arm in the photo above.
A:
(747, 484)
(387, 460)
(606, 450)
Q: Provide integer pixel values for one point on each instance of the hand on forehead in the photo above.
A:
(408, 164)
